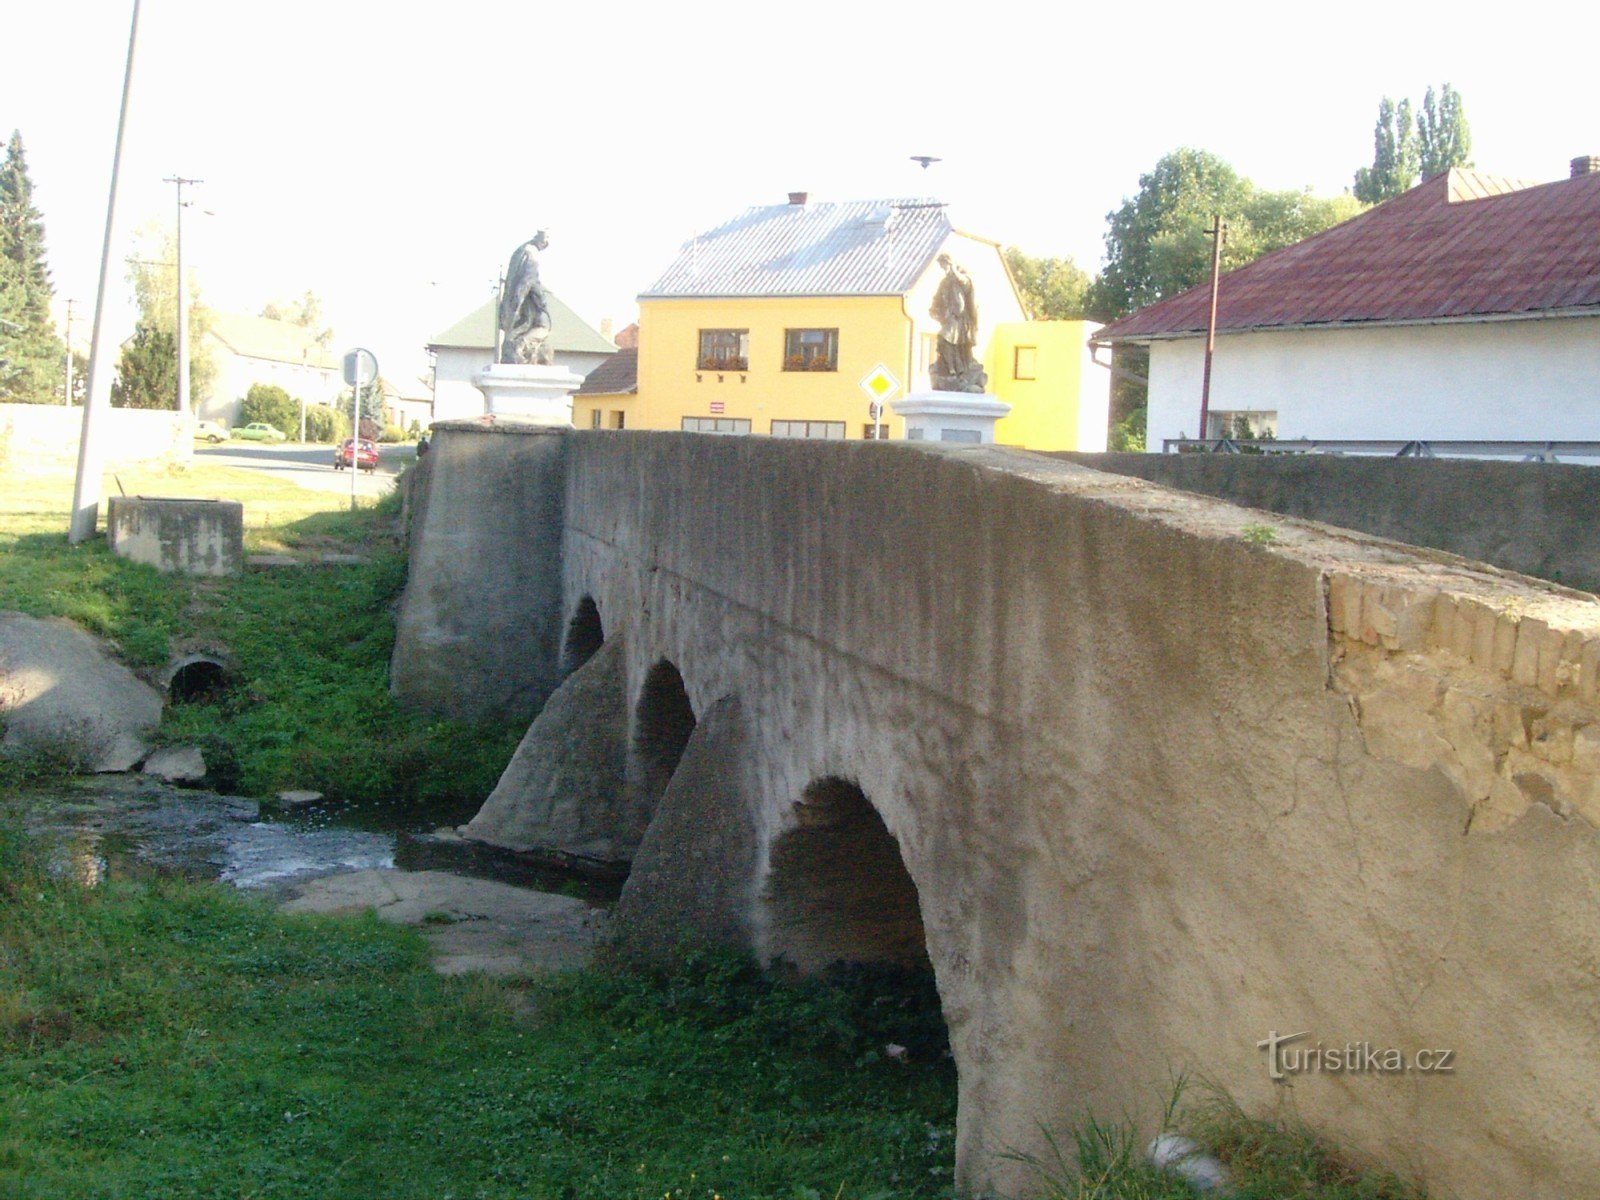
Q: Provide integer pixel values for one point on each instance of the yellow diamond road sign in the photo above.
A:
(879, 384)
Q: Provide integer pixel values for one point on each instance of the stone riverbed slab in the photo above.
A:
(473, 925)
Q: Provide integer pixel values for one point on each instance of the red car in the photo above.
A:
(366, 457)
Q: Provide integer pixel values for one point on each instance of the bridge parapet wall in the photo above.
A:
(1166, 778)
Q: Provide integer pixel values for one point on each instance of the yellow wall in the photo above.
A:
(1065, 405)
(872, 330)
(609, 406)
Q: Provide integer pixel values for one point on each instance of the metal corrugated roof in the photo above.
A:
(568, 331)
(1458, 247)
(850, 248)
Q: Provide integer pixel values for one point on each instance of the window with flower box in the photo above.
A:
(724, 350)
(811, 350)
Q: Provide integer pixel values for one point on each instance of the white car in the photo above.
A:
(209, 431)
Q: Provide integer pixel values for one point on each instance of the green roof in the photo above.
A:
(568, 331)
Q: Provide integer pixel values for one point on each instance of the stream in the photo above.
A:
(111, 827)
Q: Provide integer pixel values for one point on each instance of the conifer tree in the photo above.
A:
(31, 355)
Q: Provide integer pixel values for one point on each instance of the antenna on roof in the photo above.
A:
(927, 160)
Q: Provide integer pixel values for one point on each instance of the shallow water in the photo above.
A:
(126, 826)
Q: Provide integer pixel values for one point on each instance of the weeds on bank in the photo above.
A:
(1265, 1159)
(309, 647)
(178, 1040)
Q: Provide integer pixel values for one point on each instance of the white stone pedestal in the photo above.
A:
(531, 394)
(950, 416)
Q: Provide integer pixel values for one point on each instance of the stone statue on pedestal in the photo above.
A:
(954, 370)
(524, 309)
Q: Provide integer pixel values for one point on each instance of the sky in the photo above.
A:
(390, 157)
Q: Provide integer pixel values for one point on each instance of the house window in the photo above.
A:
(1025, 362)
(618, 419)
(808, 429)
(1242, 424)
(875, 433)
(724, 350)
(811, 350)
(715, 425)
(594, 419)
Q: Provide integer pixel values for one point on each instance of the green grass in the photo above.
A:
(177, 1040)
(1265, 1159)
(310, 705)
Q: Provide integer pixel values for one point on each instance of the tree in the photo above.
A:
(270, 403)
(1395, 158)
(1053, 289)
(32, 356)
(1158, 244)
(147, 372)
(1443, 139)
(305, 312)
(153, 272)
(1401, 151)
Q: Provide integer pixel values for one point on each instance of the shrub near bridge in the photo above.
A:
(270, 403)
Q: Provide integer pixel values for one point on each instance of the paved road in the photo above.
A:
(310, 466)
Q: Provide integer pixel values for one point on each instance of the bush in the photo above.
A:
(392, 433)
(270, 403)
(325, 424)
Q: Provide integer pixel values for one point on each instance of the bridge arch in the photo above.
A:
(663, 721)
(585, 635)
(837, 888)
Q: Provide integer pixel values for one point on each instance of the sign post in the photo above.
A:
(879, 384)
(360, 370)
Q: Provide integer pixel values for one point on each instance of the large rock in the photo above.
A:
(563, 792)
(62, 694)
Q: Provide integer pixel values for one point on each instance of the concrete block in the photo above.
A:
(190, 537)
(1525, 660)
(1505, 644)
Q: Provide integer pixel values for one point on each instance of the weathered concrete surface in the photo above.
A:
(562, 793)
(472, 925)
(1536, 518)
(61, 693)
(1160, 787)
(484, 597)
(697, 871)
(189, 537)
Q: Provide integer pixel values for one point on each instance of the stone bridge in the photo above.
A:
(1144, 775)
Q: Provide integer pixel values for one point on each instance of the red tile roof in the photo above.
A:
(1460, 245)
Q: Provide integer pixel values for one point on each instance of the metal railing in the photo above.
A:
(1526, 451)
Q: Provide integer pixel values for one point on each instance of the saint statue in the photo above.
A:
(954, 369)
(524, 309)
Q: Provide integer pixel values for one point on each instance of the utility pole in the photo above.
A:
(86, 487)
(66, 396)
(1217, 232)
(183, 301)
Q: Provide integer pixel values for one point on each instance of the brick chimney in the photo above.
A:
(799, 198)
(1586, 164)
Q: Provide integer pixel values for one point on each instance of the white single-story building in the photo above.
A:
(468, 346)
(1467, 308)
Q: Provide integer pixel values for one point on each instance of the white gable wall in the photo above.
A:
(1524, 380)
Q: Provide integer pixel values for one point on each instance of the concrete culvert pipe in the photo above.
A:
(196, 677)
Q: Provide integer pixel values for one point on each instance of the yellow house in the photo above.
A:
(1060, 397)
(770, 323)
